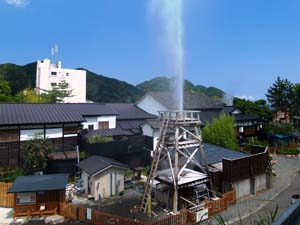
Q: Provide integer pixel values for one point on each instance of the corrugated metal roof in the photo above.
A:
(108, 132)
(39, 183)
(97, 163)
(36, 113)
(129, 111)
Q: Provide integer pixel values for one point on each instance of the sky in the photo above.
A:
(239, 46)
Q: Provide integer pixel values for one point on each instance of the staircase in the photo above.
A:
(158, 149)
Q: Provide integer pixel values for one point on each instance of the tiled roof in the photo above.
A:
(129, 111)
(130, 125)
(39, 183)
(97, 163)
(92, 109)
(108, 132)
(192, 101)
(154, 123)
(15, 113)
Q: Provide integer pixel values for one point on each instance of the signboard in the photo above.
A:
(201, 215)
(88, 213)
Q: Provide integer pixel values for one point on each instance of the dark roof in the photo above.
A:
(39, 183)
(192, 101)
(133, 126)
(208, 116)
(215, 154)
(65, 155)
(92, 109)
(97, 163)
(33, 113)
(108, 132)
(243, 116)
(129, 111)
(229, 109)
(154, 123)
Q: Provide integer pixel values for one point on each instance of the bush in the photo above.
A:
(9, 175)
(99, 139)
(288, 151)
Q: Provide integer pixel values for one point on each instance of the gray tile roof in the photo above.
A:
(129, 111)
(154, 123)
(192, 101)
(108, 133)
(37, 113)
(130, 125)
(39, 183)
(15, 113)
(97, 163)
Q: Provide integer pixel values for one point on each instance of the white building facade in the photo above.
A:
(49, 75)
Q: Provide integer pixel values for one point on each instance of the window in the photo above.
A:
(91, 127)
(53, 73)
(26, 198)
(67, 74)
(53, 84)
(103, 125)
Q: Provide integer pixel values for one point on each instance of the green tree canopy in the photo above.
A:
(258, 107)
(36, 152)
(29, 96)
(221, 132)
(58, 93)
(280, 94)
(5, 91)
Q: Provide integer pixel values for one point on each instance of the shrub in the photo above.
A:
(288, 151)
(9, 175)
(99, 139)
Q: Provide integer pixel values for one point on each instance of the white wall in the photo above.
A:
(101, 183)
(75, 78)
(150, 132)
(151, 105)
(94, 120)
(84, 177)
(260, 182)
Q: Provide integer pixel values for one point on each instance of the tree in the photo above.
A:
(5, 91)
(258, 107)
(58, 93)
(221, 132)
(36, 152)
(29, 95)
(280, 94)
(296, 100)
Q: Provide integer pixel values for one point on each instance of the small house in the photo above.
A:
(102, 177)
(39, 194)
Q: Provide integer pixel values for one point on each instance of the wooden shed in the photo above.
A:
(39, 194)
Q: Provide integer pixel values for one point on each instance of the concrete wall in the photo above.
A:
(151, 105)
(84, 177)
(250, 186)
(108, 183)
(75, 78)
(242, 188)
(94, 120)
(150, 132)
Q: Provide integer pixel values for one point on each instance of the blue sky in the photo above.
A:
(237, 45)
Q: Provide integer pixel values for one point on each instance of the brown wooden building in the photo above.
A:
(39, 194)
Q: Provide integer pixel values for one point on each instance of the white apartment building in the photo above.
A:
(49, 75)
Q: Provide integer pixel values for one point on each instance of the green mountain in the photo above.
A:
(104, 89)
(101, 88)
(167, 84)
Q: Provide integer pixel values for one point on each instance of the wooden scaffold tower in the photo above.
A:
(179, 134)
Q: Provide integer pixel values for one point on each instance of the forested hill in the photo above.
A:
(101, 88)
(167, 84)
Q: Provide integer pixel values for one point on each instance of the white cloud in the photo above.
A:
(17, 3)
(248, 97)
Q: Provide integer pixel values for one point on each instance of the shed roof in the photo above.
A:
(33, 183)
(95, 164)
(129, 111)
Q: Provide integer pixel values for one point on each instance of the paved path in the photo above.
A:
(6, 215)
(286, 169)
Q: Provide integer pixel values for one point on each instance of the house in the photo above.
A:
(49, 75)
(154, 102)
(130, 117)
(102, 177)
(58, 122)
(39, 194)
(281, 116)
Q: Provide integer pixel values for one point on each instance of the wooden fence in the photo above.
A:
(221, 204)
(6, 200)
(79, 213)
